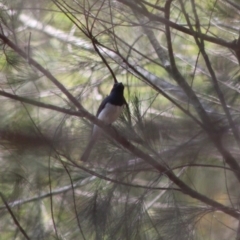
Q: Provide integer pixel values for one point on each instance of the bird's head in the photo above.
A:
(118, 87)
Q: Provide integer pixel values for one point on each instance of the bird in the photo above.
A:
(109, 110)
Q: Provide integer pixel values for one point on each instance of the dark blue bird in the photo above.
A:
(108, 111)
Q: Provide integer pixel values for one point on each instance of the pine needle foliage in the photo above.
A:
(168, 168)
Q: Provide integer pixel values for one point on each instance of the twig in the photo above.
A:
(42, 70)
(13, 217)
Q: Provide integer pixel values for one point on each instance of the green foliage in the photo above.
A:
(172, 167)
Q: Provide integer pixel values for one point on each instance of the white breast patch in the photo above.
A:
(109, 114)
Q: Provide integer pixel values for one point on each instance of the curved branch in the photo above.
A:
(40, 68)
(13, 217)
(151, 161)
(153, 17)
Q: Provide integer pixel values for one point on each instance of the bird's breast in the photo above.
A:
(110, 113)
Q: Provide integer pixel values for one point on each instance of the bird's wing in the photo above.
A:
(102, 105)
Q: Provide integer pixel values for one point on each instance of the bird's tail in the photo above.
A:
(88, 150)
